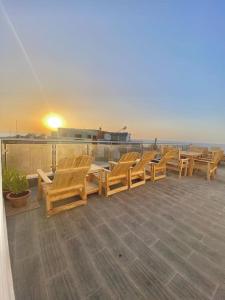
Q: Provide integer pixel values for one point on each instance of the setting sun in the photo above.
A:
(53, 121)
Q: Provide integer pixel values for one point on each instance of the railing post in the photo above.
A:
(53, 158)
(142, 148)
(110, 151)
(5, 154)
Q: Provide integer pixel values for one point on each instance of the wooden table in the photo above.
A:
(191, 155)
(96, 171)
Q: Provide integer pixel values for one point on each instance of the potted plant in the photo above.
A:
(7, 175)
(19, 190)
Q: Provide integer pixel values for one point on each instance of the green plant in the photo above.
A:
(7, 176)
(18, 183)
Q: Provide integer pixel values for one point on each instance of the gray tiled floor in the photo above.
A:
(164, 240)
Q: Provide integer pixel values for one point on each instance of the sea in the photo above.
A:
(174, 142)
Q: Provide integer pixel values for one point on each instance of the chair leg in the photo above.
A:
(153, 174)
(129, 179)
(180, 171)
(39, 193)
(107, 185)
(100, 174)
(106, 190)
(144, 175)
(49, 206)
(186, 170)
(208, 172)
(83, 194)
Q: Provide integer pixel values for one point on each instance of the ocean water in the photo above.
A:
(209, 145)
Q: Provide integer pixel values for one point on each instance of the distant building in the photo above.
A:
(92, 134)
(23, 135)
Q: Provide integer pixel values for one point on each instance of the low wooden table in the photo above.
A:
(95, 171)
(191, 155)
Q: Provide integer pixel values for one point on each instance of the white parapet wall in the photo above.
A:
(6, 282)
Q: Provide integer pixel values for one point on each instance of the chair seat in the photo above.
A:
(174, 163)
(202, 164)
(52, 191)
(137, 173)
(114, 178)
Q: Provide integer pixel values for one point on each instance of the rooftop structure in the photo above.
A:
(92, 134)
(161, 240)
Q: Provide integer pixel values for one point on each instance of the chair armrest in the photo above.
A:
(154, 163)
(106, 170)
(204, 161)
(184, 159)
(43, 176)
(112, 162)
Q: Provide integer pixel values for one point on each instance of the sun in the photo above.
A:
(53, 121)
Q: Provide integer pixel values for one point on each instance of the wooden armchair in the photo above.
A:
(178, 164)
(129, 156)
(139, 173)
(220, 151)
(203, 150)
(208, 166)
(167, 148)
(117, 180)
(66, 183)
(158, 169)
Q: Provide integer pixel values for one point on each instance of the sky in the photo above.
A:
(157, 67)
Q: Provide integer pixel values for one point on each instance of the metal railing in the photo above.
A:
(28, 155)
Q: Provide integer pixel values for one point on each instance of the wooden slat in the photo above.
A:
(43, 176)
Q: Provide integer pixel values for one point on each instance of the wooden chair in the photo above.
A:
(158, 170)
(208, 166)
(203, 150)
(178, 164)
(222, 155)
(213, 150)
(74, 162)
(66, 183)
(167, 148)
(129, 156)
(139, 173)
(117, 176)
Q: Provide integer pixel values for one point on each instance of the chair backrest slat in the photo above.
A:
(168, 148)
(146, 158)
(172, 154)
(129, 156)
(69, 177)
(82, 161)
(202, 150)
(121, 168)
(217, 157)
(74, 162)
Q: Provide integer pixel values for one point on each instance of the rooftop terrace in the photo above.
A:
(164, 240)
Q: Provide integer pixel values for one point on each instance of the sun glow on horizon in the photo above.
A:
(53, 121)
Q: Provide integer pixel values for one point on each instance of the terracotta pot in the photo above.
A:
(19, 201)
(5, 193)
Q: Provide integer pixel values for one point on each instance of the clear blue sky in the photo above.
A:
(156, 66)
